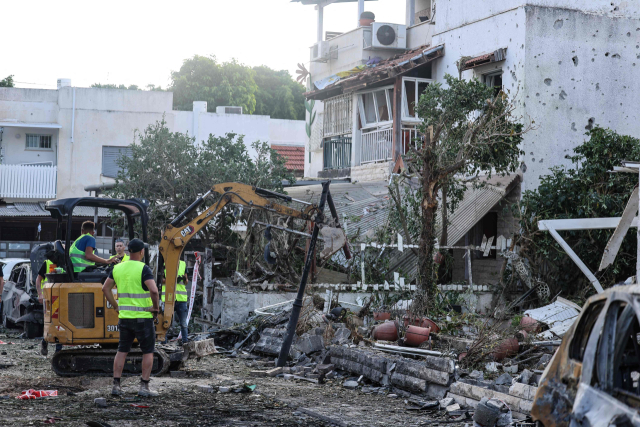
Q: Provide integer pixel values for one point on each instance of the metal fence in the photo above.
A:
(28, 181)
(409, 136)
(376, 146)
(338, 115)
(337, 153)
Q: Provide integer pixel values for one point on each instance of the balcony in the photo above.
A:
(337, 153)
(28, 181)
(376, 146)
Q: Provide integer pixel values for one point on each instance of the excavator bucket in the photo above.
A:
(334, 240)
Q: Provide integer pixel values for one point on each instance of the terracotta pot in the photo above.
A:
(364, 22)
(422, 322)
(416, 335)
(381, 315)
(521, 335)
(387, 331)
(529, 324)
(506, 348)
(462, 356)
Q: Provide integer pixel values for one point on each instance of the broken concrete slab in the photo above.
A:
(351, 385)
(409, 382)
(275, 371)
(504, 379)
(453, 407)
(525, 377)
(200, 348)
(447, 401)
(523, 391)
(416, 369)
(341, 336)
(477, 393)
(100, 402)
(308, 344)
(477, 375)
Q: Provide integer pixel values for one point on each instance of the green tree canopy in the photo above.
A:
(278, 95)
(7, 81)
(585, 190)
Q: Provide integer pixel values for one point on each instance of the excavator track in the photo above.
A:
(99, 362)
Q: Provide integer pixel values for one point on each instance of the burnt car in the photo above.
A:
(17, 292)
(594, 377)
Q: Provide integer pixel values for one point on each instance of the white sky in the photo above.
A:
(141, 42)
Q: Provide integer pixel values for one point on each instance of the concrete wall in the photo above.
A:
(370, 172)
(29, 105)
(287, 132)
(14, 146)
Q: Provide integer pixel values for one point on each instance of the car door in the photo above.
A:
(609, 390)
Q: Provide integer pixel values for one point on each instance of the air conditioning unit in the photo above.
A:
(382, 35)
(320, 52)
(222, 109)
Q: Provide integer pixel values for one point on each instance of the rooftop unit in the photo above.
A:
(382, 35)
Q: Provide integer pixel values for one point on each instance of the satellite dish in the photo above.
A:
(386, 35)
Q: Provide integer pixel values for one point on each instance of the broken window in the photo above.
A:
(494, 80)
(375, 107)
(583, 331)
(412, 89)
(486, 227)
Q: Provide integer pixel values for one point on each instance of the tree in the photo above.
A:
(585, 190)
(468, 130)
(204, 79)
(171, 171)
(7, 81)
(278, 95)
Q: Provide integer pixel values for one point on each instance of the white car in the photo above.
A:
(18, 290)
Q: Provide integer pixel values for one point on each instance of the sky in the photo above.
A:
(140, 42)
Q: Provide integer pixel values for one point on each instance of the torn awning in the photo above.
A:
(376, 73)
(495, 56)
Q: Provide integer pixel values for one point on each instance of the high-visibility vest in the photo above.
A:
(133, 300)
(78, 259)
(124, 258)
(47, 268)
(181, 289)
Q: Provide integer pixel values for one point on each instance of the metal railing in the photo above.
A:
(409, 136)
(338, 116)
(337, 153)
(376, 146)
(28, 181)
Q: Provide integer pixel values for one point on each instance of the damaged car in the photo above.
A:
(594, 376)
(20, 306)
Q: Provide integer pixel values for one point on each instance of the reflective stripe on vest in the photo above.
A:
(133, 300)
(123, 259)
(181, 289)
(78, 258)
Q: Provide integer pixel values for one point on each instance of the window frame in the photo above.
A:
(491, 75)
(405, 106)
(120, 148)
(361, 112)
(40, 136)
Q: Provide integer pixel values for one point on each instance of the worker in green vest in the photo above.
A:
(120, 253)
(47, 267)
(181, 307)
(81, 251)
(137, 308)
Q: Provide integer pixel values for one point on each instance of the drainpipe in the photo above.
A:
(320, 21)
(73, 114)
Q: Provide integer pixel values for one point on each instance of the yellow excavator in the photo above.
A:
(76, 312)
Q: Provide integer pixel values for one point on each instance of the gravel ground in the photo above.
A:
(275, 401)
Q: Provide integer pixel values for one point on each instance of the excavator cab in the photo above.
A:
(75, 309)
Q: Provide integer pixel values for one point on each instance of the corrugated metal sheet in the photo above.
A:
(559, 316)
(36, 209)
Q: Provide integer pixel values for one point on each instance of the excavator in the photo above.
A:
(76, 312)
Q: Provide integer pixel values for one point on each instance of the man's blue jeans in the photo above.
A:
(181, 309)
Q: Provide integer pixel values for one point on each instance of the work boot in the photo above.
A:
(116, 390)
(44, 348)
(145, 391)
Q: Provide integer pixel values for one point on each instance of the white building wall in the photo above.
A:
(14, 146)
(287, 132)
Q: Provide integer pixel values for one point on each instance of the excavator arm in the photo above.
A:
(176, 236)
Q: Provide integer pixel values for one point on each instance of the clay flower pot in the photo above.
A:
(416, 335)
(377, 315)
(529, 324)
(423, 322)
(506, 348)
(387, 331)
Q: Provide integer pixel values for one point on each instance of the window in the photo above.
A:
(375, 107)
(39, 142)
(412, 89)
(486, 227)
(110, 159)
(494, 80)
(338, 116)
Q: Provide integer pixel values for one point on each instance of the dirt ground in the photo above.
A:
(274, 402)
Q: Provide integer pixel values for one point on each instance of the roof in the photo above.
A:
(8, 124)
(377, 72)
(63, 207)
(496, 56)
(36, 209)
(476, 203)
(293, 154)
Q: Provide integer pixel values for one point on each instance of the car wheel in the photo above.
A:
(33, 329)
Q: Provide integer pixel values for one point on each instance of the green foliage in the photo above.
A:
(278, 95)
(7, 81)
(171, 171)
(586, 190)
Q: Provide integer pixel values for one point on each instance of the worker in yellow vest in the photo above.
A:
(81, 251)
(181, 307)
(137, 309)
(120, 253)
(46, 268)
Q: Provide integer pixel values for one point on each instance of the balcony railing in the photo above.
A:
(28, 181)
(337, 153)
(410, 134)
(376, 146)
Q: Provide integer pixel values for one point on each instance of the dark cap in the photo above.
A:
(136, 245)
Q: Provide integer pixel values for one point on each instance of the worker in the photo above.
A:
(46, 268)
(81, 252)
(181, 307)
(137, 309)
(120, 253)
(1, 283)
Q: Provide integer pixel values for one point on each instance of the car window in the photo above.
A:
(583, 330)
(2, 264)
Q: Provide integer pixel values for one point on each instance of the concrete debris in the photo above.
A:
(100, 402)
(453, 407)
(504, 379)
(341, 336)
(525, 377)
(308, 344)
(351, 385)
(448, 401)
(477, 375)
(511, 369)
(492, 366)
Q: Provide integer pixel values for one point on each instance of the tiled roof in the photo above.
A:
(293, 154)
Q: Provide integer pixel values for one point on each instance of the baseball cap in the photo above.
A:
(136, 245)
